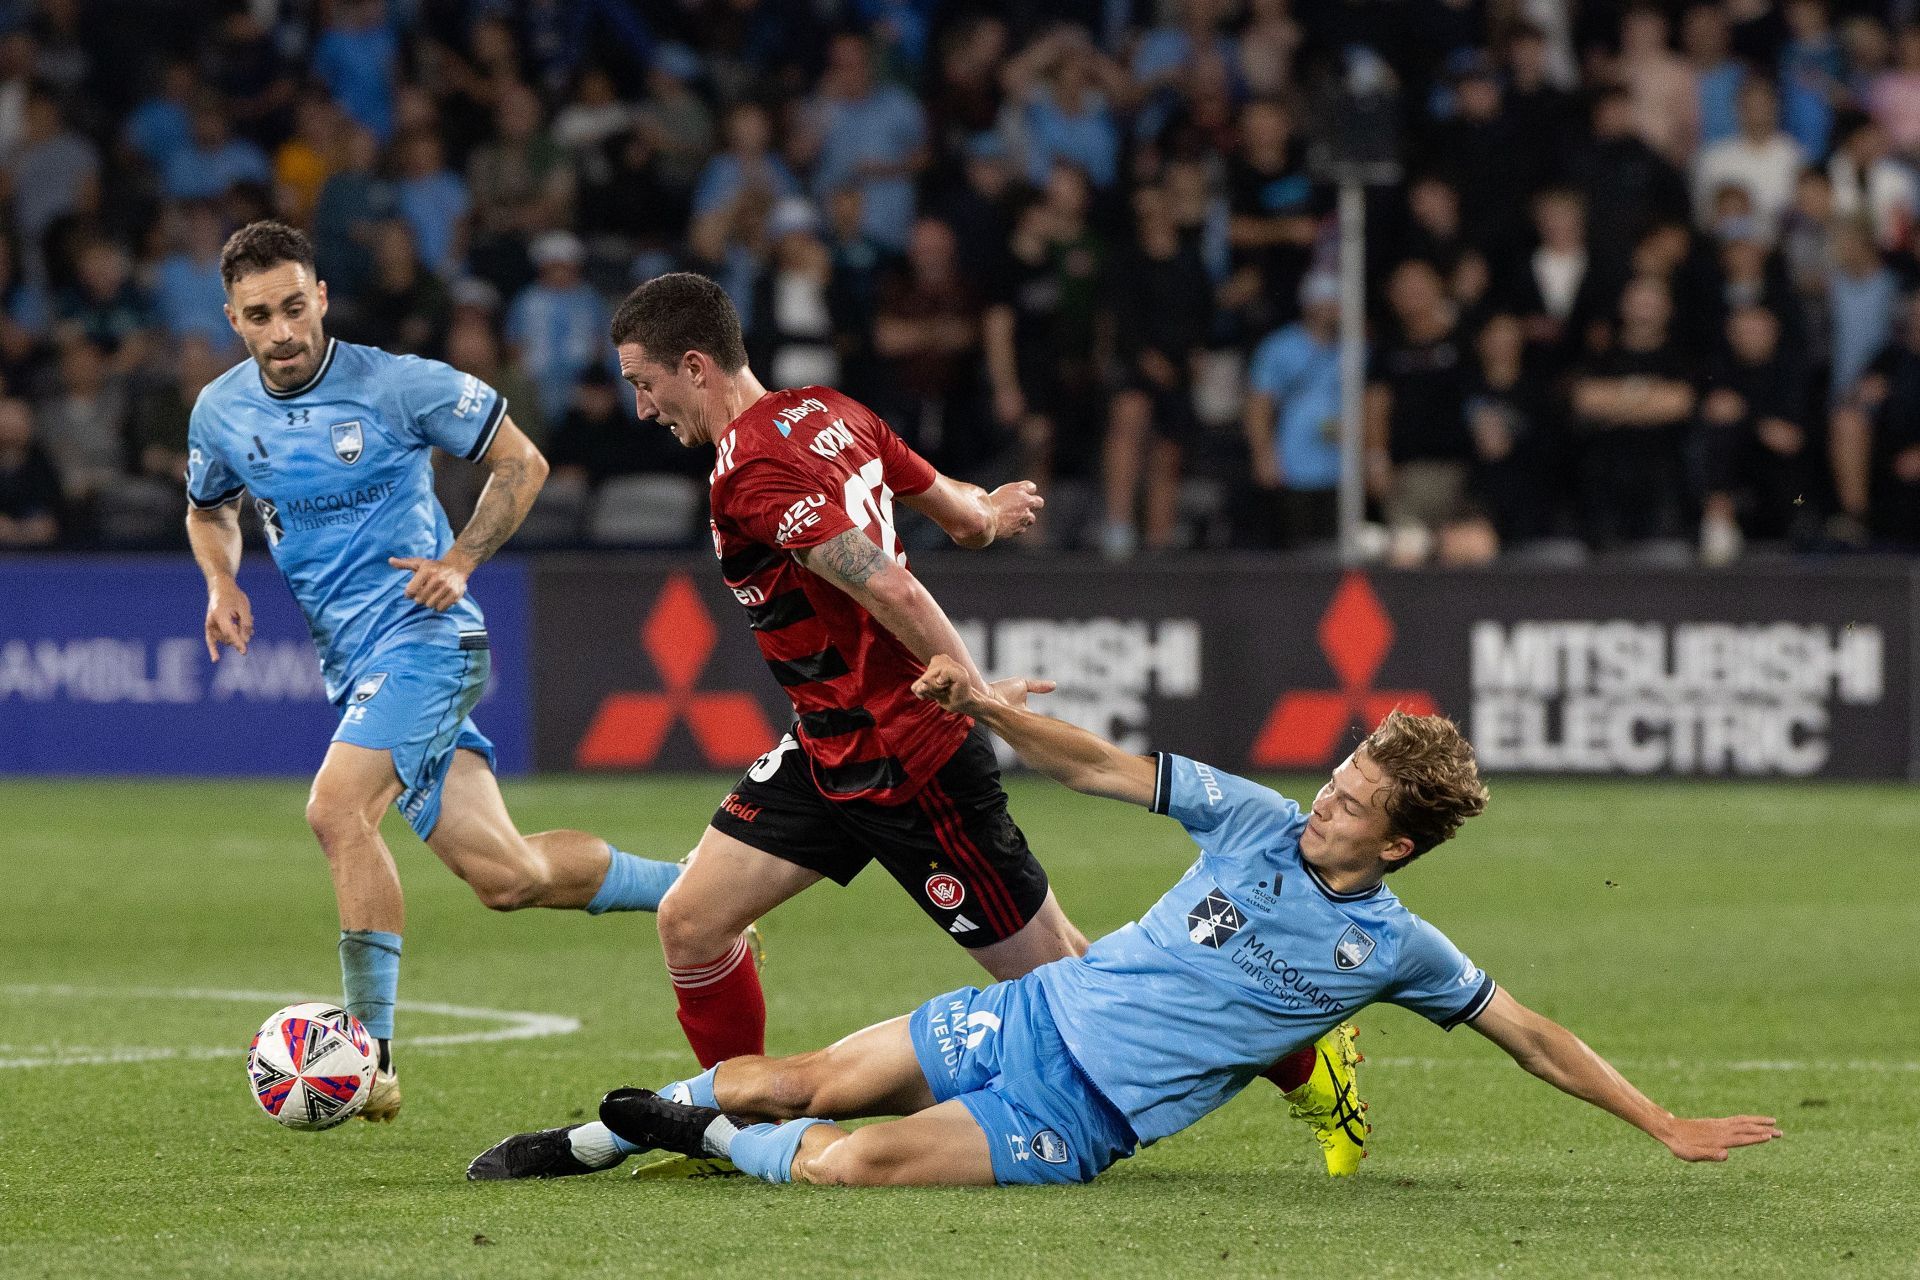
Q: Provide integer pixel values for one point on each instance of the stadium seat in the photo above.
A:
(645, 511)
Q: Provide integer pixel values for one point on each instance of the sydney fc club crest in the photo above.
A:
(1353, 948)
(1213, 920)
(368, 687)
(348, 441)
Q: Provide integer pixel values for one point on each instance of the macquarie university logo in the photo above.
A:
(1214, 919)
(629, 729)
(1307, 727)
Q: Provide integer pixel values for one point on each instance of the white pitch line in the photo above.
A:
(520, 1025)
(1884, 1065)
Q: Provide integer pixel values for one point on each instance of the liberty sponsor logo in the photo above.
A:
(1353, 948)
(349, 441)
(1213, 920)
(1049, 1146)
(787, 419)
(1281, 978)
(945, 892)
(1688, 697)
(1107, 668)
(368, 687)
(799, 517)
(832, 440)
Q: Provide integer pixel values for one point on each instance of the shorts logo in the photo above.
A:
(1213, 920)
(368, 687)
(348, 441)
(962, 925)
(980, 1025)
(945, 892)
(1353, 948)
(353, 715)
(739, 808)
(1049, 1146)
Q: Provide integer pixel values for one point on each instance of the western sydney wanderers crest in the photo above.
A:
(348, 441)
(1353, 948)
(1213, 920)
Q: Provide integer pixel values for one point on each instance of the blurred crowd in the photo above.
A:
(1648, 282)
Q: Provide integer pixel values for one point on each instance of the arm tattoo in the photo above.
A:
(503, 504)
(849, 559)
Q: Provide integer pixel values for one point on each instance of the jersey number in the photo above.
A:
(870, 506)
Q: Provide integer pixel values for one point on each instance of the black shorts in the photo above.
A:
(954, 846)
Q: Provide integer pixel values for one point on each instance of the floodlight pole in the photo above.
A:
(1353, 357)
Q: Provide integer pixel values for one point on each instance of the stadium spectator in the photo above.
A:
(1755, 444)
(1663, 87)
(1555, 290)
(214, 160)
(1869, 183)
(1474, 146)
(749, 164)
(978, 209)
(162, 125)
(405, 308)
(30, 494)
(1631, 403)
(1275, 212)
(1760, 159)
(105, 305)
(1418, 448)
(55, 172)
(1516, 433)
(473, 346)
(1894, 96)
(1268, 45)
(1812, 75)
(162, 408)
(83, 423)
(434, 201)
(964, 100)
(357, 59)
(675, 118)
(1058, 91)
(927, 340)
(520, 180)
(557, 326)
(303, 163)
(1719, 76)
(187, 293)
(1861, 292)
(1627, 186)
(1545, 116)
(1292, 423)
(1875, 447)
(596, 442)
(1161, 320)
(354, 200)
(868, 134)
(16, 81)
(794, 339)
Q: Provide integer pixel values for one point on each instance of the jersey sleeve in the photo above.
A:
(1435, 980)
(1219, 809)
(210, 481)
(907, 472)
(780, 506)
(445, 407)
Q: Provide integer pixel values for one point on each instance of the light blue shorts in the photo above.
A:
(1000, 1054)
(414, 702)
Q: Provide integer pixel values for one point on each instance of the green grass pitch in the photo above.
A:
(1732, 947)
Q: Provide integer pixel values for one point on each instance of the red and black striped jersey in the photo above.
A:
(799, 468)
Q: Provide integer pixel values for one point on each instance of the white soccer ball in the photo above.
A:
(311, 1066)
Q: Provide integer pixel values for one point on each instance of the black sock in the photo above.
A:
(386, 1055)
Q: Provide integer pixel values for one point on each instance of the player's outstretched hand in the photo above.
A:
(1015, 507)
(1014, 692)
(229, 620)
(1711, 1139)
(945, 684)
(437, 584)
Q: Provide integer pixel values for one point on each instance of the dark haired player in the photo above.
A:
(804, 487)
(333, 441)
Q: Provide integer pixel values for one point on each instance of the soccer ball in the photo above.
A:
(311, 1066)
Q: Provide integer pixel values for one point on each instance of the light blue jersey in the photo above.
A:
(1249, 958)
(340, 471)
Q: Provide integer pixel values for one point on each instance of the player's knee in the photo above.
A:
(689, 934)
(336, 824)
(796, 1088)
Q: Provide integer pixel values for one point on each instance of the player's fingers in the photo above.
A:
(1042, 686)
(213, 645)
(404, 562)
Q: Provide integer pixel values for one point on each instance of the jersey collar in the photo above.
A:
(1330, 895)
(326, 363)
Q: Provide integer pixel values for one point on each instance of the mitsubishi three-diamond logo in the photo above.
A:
(1213, 920)
(1308, 727)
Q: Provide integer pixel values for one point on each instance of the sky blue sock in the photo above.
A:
(764, 1150)
(633, 884)
(370, 973)
(697, 1092)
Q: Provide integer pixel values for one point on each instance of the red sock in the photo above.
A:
(1293, 1070)
(722, 1009)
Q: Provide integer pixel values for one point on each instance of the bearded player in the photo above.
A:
(1282, 927)
(803, 491)
(334, 443)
